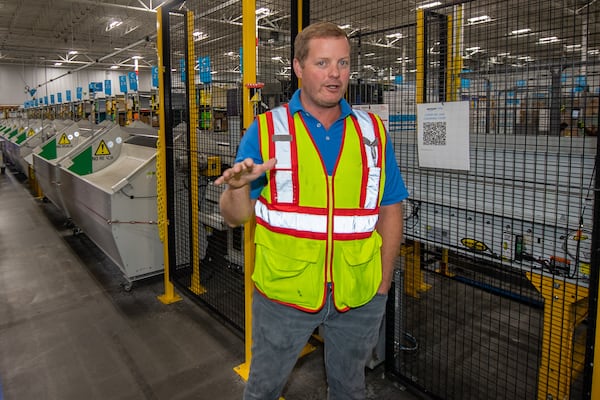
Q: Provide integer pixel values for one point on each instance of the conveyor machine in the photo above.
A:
(109, 190)
(524, 203)
(526, 206)
(47, 158)
(22, 144)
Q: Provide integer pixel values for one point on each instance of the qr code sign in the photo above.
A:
(434, 133)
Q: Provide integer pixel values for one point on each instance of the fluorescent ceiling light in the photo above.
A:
(263, 11)
(346, 26)
(112, 25)
(198, 35)
(396, 35)
(573, 47)
(73, 52)
(475, 48)
(594, 52)
(546, 40)
(369, 54)
(479, 20)
(520, 31)
(114, 67)
(429, 5)
(57, 64)
(503, 54)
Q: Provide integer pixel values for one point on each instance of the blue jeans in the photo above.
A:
(280, 332)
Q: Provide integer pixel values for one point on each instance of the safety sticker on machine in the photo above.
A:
(102, 149)
(64, 140)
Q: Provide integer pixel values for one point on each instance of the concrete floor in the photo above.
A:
(68, 330)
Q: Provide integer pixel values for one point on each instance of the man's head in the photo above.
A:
(322, 61)
(316, 30)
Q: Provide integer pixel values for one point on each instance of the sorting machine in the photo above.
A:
(108, 189)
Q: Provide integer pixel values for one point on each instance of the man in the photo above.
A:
(325, 186)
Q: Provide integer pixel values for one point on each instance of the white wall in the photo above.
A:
(13, 80)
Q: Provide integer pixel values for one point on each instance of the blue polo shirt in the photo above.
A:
(329, 143)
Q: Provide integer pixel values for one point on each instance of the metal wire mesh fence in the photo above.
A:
(206, 257)
(492, 298)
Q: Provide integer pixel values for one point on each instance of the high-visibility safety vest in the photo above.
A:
(313, 228)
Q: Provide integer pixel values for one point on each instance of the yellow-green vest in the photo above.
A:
(312, 228)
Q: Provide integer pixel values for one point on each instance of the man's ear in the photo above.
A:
(297, 68)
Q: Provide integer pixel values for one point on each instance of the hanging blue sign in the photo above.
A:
(51, 99)
(133, 83)
(59, 96)
(123, 83)
(154, 76)
(107, 87)
(68, 95)
(46, 100)
(95, 87)
(205, 70)
(398, 79)
(79, 93)
(182, 68)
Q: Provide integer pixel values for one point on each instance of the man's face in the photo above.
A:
(324, 73)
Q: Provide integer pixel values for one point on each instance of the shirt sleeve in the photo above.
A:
(250, 148)
(394, 189)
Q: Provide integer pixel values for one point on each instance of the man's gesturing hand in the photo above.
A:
(242, 173)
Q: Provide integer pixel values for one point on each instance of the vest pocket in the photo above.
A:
(357, 271)
(290, 269)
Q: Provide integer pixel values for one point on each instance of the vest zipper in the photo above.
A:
(329, 244)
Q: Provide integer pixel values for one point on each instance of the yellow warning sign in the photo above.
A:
(64, 140)
(102, 149)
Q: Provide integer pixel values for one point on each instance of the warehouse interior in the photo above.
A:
(117, 116)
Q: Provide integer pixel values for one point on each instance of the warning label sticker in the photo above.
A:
(102, 149)
(64, 140)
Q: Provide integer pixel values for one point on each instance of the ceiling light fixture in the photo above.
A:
(198, 35)
(547, 40)
(429, 5)
(479, 20)
(57, 64)
(573, 47)
(112, 25)
(263, 11)
(518, 32)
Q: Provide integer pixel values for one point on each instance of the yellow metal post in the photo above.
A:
(420, 77)
(414, 282)
(248, 77)
(195, 285)
(169, 296)
(413, 276)
(443, 268)
(565, 306)
(450, 94)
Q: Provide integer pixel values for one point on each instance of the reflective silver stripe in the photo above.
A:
(354, 224)
(291, 220)
(315, 223)
(283, 153)
(284, 186)
(370, 142)
(368, 133)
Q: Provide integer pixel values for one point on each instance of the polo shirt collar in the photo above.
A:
(295, 105)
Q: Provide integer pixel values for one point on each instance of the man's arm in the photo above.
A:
(235, 203)
(390, 227)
